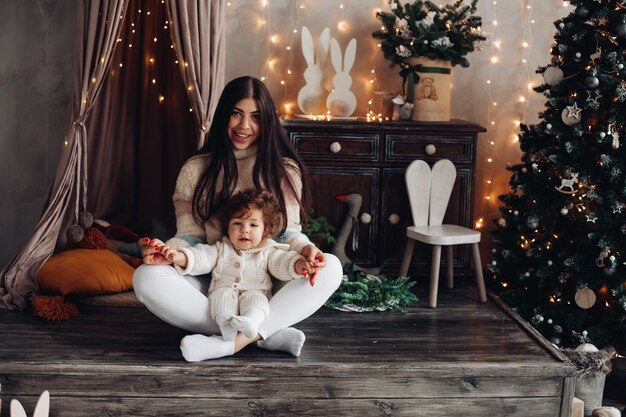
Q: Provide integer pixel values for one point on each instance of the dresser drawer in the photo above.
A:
(330, 146)
(405, 148)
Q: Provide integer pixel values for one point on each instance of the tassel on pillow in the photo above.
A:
(53, 308)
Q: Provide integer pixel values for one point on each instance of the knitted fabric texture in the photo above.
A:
(240, 270)
(210, 231)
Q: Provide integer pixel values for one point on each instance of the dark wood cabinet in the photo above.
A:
(369, 158)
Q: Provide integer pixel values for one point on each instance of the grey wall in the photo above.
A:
(36, 67)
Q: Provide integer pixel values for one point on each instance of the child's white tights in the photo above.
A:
(181, 301)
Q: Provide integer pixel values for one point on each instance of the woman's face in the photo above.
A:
(243, 126)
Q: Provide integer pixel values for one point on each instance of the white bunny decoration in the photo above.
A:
(342, 102)
(42, 408)
(310, 97)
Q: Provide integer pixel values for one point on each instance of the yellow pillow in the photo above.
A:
(85, 272)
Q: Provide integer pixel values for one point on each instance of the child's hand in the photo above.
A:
(303, 267)
(151, 252)
(175, 256)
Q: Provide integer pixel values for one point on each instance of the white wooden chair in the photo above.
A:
(429, 193)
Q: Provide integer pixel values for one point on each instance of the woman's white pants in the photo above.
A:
(181, 300)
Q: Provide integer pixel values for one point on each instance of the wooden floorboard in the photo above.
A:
(461, 359)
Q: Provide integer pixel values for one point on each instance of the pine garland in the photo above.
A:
(364, 292)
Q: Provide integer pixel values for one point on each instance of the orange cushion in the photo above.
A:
(85, 272)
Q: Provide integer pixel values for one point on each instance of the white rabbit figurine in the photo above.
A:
(42, 409)
(310, 97)
(342, 102)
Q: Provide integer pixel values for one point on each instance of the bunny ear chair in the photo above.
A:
(42, 408)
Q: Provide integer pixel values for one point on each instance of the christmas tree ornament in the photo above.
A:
(596, 55)
(591, 218)
(567, 184)
(585, 298)
(582, 11)
(615, 141)
(564, 211)
(553, 75)
(571, 114)
(502, 222)
(608, 271)
(578, 55)
(548, 126)
(592, 82)
(603, 255)
(620, 66)
(593, 96)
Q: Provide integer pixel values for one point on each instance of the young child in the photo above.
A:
(241, 263)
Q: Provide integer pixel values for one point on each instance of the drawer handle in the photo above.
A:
(430, 149)
(394, 219)
(366, 218)
(335, 147)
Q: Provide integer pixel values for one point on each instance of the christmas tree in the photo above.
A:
(560, 257)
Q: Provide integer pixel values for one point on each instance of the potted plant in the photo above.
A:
(426, 40)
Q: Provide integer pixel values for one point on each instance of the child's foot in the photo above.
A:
(288, 340)
(246, 326)
(198, 347)
(224, 321)
(249, 323)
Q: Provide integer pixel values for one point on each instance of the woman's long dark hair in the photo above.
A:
(269, 170)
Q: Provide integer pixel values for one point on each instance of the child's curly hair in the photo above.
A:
(252, 198)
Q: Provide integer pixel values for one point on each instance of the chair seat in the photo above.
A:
(444, 235)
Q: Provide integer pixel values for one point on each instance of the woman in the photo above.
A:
(245, 148)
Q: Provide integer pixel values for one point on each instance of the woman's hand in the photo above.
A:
(151, 252)
(316, 258)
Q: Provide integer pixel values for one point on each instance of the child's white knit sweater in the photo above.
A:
(241, 270)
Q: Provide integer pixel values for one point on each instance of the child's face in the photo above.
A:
(246, 229)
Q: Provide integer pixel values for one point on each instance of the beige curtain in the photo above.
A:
(197, 29)
(97, 30)
(141, 130)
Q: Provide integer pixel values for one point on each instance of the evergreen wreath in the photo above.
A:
(361, 292)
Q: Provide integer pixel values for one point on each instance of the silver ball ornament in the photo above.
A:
(602, 134)
(592, 82)
(620, 66)
(578, 54)
(553, 75)
(564, 211)
(548, 126)
(515, 212)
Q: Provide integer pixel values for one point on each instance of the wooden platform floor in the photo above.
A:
(461, 359)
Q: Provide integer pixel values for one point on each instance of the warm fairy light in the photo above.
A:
(154, 81)
(494, 60)
(161, 99)
(274, 39)
(525, 44)
(497, 44)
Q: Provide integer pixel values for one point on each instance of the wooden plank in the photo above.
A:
(289, 407)
(240, 385)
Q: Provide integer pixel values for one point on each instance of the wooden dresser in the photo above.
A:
(369, 158)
